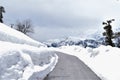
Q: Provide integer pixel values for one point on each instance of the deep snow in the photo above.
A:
(22, 58)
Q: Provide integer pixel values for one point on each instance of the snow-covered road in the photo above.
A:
(71, 68)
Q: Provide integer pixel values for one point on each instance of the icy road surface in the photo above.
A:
(71, 68)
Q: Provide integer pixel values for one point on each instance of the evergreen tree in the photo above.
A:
(108, 32)
(2, 10)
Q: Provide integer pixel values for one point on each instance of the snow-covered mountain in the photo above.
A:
(92, 41)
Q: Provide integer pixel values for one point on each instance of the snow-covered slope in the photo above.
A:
(104, 60)
(11, 35)
(22, 58)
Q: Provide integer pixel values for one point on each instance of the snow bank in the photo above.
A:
(10, 35)
(104, 61)
(24, 62)
(22, 58)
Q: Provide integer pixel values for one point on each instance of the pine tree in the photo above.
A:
(108, 32)
(2, 10)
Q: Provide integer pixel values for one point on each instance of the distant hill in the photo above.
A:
(93, 41)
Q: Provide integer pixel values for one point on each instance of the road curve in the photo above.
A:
(71, 68)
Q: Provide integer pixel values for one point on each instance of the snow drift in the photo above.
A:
(22, 58)
(23, 62)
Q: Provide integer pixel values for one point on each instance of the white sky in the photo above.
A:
(61, 18)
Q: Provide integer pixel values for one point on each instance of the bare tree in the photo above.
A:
(25, 26)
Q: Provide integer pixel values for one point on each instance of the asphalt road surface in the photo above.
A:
(71, 68)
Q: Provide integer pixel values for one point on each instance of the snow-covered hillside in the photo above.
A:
(11, 35)
(22, 58)
(104, 60)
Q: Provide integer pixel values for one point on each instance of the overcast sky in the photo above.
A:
(61, 18)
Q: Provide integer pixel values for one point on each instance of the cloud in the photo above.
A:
(55, 16)
(61, 9)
